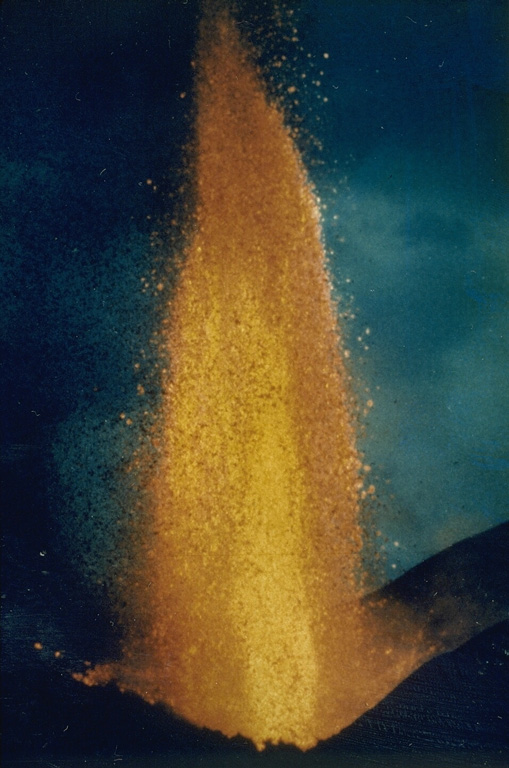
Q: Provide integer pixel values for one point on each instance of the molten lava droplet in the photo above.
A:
(244, 612)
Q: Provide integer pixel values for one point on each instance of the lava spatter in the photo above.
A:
(243, 611)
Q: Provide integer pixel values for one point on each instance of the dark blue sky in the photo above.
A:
(423, 211)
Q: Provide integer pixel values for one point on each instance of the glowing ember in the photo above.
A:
(244, 615)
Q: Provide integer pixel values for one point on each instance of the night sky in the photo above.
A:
(411, 113)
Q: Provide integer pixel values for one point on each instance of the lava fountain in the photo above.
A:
(243, 608)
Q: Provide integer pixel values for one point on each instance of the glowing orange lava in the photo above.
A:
(245, 614)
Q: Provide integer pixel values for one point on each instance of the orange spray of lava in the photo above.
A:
(247, 616)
